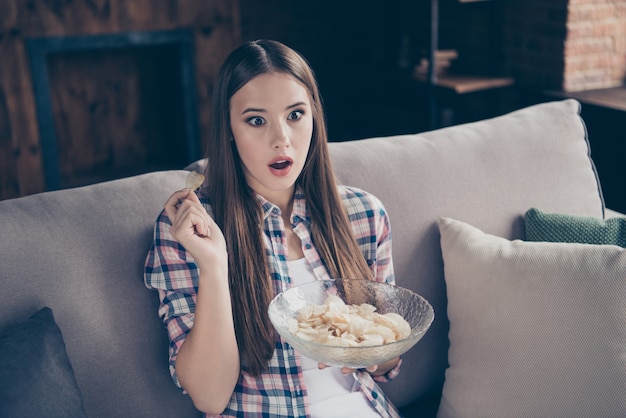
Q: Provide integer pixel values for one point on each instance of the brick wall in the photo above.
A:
(568, 45)
(595, 47)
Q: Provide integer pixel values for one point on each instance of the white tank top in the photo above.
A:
(330, 392)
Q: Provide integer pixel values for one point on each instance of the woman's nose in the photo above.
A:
(280, 136)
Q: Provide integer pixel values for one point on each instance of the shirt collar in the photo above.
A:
(298, 212)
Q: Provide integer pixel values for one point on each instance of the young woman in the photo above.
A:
(269, 216)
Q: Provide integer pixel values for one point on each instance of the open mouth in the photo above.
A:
(280, 165)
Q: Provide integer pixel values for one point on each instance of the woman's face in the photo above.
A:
(272, 124)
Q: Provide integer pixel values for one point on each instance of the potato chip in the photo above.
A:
(194, 180)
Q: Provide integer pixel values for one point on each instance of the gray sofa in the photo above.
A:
(81, 251)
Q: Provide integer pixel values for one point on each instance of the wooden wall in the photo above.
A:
(113, 102)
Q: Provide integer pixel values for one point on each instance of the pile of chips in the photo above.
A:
(336, 323)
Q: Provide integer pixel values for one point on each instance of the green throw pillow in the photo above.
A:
(557, 227)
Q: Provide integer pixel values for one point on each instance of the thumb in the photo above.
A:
(191, 195)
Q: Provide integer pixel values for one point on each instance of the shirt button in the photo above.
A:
(308, 246)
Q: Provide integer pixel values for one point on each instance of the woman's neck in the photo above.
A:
(283, 199)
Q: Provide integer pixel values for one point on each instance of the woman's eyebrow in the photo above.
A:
(259, 110)
(295, 105)
(253, 110)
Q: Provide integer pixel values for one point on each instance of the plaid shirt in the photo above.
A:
(280, 391)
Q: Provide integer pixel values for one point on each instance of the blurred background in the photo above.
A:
(94, 90)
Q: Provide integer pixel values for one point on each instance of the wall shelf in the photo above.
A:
(457, 83)
(462, 84)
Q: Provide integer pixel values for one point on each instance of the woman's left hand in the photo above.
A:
(376, 370)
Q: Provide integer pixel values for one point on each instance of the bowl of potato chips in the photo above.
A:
(353, 323)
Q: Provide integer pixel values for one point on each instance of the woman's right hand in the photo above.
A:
(194, 229)
(207, 364)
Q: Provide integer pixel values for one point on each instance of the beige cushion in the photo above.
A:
(537, 329)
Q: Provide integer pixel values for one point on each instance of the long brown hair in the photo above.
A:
(239, 214)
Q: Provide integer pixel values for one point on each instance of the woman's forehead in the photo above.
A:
(274, 90)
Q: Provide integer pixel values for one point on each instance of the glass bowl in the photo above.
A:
(385, 297)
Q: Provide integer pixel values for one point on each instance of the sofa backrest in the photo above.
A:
(486, 173)
(81, 251)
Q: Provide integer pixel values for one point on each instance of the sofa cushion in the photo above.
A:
(562, 227)
(488, 173)
(536, 328)
(36, 377)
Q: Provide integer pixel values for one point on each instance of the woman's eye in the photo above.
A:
(295, 115)
(256, 121)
